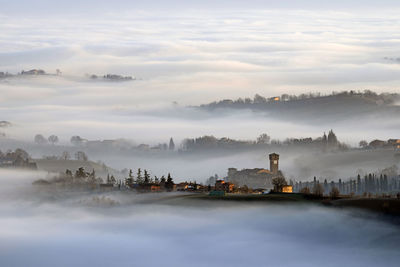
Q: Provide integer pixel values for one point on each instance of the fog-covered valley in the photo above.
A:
(43, 229)
(125, 136)
(108, 107)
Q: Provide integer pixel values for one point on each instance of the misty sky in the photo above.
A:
(185, 51)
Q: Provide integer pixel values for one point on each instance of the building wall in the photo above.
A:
(252, 178)
(287, 189)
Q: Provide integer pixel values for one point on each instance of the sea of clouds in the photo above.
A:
(186, 56)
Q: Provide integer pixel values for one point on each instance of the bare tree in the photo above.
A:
(65, 155)
(334, 194)
(318, 190)
(77, 140)
(39, 139)
(278, 183)
(53, 139)
(80, 155)
(263, 139)
(305, 190)
(363, 144)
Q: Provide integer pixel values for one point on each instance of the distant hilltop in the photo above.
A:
(315, 106)
(112, 77)
(29, 72)
(258, 100)
(4, 124)
(40, 72)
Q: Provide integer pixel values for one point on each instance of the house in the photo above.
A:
(12, 161)
(182, 186)
(394, 143)
(377, 143)
(287, 189)
(33, 72)
(221, 185)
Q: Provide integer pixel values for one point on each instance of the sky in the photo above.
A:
(188, 52)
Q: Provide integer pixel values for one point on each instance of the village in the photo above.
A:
(258, 181)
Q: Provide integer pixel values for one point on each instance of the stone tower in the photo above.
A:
(274, 163)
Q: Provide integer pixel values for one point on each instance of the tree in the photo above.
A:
(318, 190)
(139, 178)
(334, 194)
(171, 144)
(363, 144)
(278, 183)
(80, 173)
(80, 155)
(21, 153)
(259, 99)
(332, 139)
(146, 177)
(65, 155)
(53, 139)
(305, 190)
(263, 139)
(77, 140)
(68, 173)
(162, 182)
(40, 140)
(169, 185)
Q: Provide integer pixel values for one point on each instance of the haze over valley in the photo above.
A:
(199, 133)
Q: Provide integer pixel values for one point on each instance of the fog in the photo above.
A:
(182, 54)
(190, 55)
(136, 111)
(153, 230)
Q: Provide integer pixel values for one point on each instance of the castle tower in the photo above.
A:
(274, 163)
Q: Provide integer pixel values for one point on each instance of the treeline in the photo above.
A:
(369, 185)
(325, 142)
(146, 182)
(83, 179)
(384, 98)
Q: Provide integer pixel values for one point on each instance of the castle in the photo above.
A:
(256, 178)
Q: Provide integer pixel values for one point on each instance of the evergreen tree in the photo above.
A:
(80, 173)
(169, 185)
(171, 144)
(146, 177)
(162, 182)
(139, 178)
(359, 189)
(68, 173)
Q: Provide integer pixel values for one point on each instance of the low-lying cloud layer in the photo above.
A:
(62, 231)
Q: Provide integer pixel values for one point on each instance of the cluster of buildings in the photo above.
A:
(391, 143)
(256, 180)
(16, 159)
